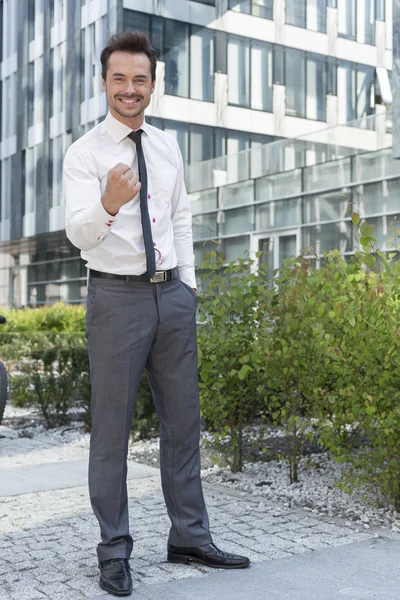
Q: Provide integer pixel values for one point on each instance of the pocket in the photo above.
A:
(190, 289)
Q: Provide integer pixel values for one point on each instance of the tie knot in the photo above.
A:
(136, 136)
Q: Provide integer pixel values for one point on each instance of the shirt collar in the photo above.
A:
(118, 131)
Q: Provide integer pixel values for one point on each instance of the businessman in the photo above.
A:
(128, 212)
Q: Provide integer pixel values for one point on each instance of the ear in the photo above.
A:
(103, 83)
(153, 85)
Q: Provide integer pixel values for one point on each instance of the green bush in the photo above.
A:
(53, 379)
(231, 338)
(45, 351)
(334, 361)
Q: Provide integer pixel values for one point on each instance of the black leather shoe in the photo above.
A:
(115, 576)
(208, 555)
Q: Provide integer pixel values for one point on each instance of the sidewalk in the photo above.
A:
(48, 537)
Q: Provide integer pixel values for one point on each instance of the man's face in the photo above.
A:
(128, 85)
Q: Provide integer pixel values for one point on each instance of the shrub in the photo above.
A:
(53, 378)
(231, 339)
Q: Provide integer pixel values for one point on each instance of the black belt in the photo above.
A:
(158, 277)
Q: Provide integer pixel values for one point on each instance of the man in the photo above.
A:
(128, 211)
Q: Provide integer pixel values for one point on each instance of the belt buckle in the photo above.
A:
(158, 277)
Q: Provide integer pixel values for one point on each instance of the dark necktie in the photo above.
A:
(136, 136)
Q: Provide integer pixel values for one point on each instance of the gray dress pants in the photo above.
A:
(132, 326)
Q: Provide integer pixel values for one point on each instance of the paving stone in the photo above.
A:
(48, 539)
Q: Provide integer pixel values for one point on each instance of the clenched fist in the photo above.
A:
(122, 186)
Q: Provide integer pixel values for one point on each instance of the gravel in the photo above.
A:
(316, 491)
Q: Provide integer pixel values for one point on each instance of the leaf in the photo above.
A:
(244, 371)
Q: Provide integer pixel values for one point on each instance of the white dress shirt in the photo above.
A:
(115, 244)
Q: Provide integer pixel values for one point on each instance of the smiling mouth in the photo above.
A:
(130, 101)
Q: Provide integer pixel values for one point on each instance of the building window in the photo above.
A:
(331, 77)
(239, 72)
(310, 14)
(380, 10)
(9, 117)
(91, 81)
(51, 83)
(56, 167)
(366, 21)
(51, 9)
(261, 76)
(355, 91)
(279, 65)
(316, 88)
(257, 8)
(30, 180)
(209, 2)
(202, 64)
(305, 85)
(176, 56)
(346, 92)
(180, 131)
(201, 143)
(57, 74)
(9, 10)
(6, 188)
(82, 65)
(347, 18)
(250, 74)
(31, 93)
(296, 12)
(31, 20)
(295, 83)
(357, 20)
(365, 91)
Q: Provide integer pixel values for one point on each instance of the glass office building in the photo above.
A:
(297, 195)
(236, 80)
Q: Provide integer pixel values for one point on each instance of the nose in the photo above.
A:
(130, 89)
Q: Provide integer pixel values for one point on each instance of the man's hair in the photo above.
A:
(134, 42)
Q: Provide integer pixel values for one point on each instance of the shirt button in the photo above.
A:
(154, 220)
(154, 244)
(148, 196)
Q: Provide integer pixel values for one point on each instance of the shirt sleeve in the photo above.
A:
(182, 227)
(87, 223)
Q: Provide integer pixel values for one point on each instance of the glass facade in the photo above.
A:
(263, 191)
(308, 206)
(253, 66)
(56, 275)
(200, 143)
